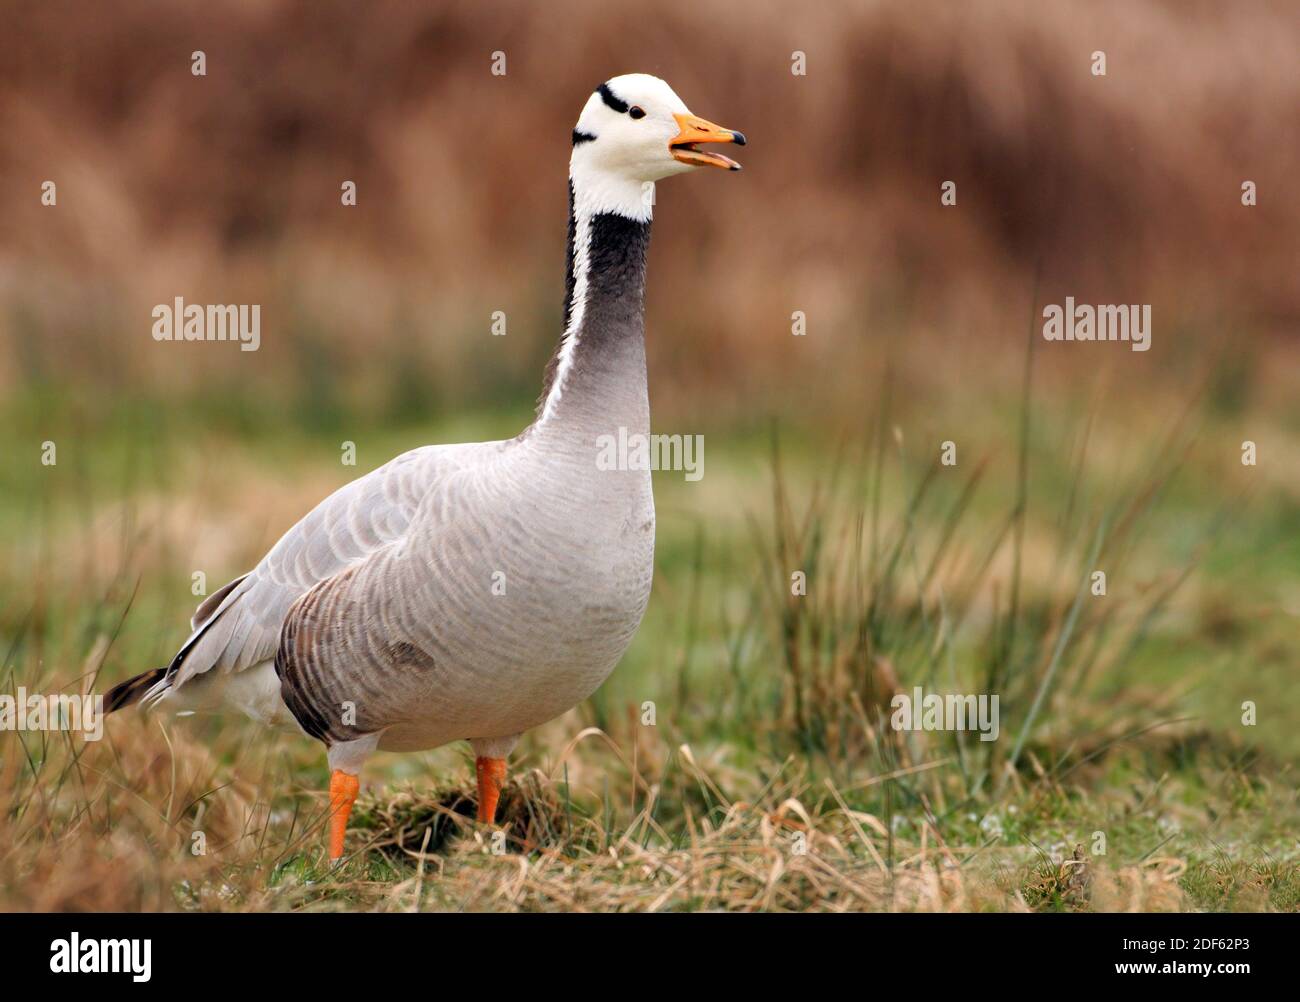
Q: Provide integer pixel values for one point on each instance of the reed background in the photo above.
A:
(1120, 714)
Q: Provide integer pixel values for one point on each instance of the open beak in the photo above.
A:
(695, 131)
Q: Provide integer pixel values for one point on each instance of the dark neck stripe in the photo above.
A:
(614, 303)
(581, 137)
(610, 100)
(568, 265)
(616, 259)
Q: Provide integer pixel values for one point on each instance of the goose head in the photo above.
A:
(634, 130)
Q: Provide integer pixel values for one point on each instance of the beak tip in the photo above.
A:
(738, 138)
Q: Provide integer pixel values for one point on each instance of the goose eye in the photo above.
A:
(636, 111)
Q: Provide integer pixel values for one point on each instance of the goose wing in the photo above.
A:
(239, 625)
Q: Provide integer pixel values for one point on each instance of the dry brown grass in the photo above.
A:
(791, 843)
(1123, 188)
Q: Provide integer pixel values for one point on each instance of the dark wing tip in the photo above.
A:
(132, 690)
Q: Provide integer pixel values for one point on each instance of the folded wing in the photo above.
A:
(239, 625)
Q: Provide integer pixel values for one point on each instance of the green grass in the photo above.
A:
(1120, 714)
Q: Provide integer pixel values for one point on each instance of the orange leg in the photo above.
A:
(343, 794)
(491, 777)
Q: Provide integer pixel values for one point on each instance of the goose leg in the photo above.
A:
(343, 794)
(346, 759)
(491, 777)
(490, 768)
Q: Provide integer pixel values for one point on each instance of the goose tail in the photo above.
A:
(135, 689)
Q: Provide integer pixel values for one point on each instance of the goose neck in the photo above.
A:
(597, 377)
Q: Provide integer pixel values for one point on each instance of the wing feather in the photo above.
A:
(239, 625)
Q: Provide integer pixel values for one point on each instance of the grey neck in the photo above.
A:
(596, 381)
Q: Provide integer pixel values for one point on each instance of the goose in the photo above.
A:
(472, 592)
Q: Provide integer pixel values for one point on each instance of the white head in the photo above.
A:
(633, 131)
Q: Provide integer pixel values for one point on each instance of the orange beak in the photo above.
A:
(694, 131)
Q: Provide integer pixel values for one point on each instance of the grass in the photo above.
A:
(769, 779)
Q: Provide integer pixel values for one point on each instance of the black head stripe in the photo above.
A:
(581, 137)
(610, 100)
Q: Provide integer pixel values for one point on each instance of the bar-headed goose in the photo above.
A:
(473, 591)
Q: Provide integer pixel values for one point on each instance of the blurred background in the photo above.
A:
(922, 327)
(225, 188)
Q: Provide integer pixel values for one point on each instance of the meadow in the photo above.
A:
(768, 777)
